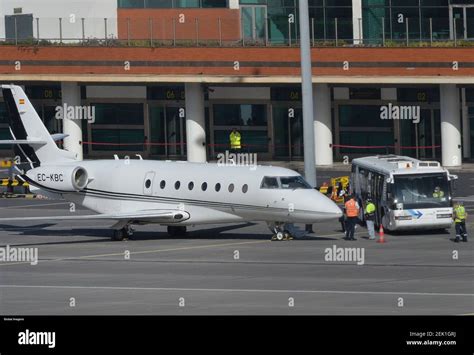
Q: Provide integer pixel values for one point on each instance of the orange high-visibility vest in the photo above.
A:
(351, 208)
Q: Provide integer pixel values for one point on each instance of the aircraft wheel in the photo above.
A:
(280, 236)
(119, 235)
(287, 235)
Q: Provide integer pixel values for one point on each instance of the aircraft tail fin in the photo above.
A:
(33, 143)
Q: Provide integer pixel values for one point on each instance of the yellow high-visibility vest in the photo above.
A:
(459, 214)
(235, 140)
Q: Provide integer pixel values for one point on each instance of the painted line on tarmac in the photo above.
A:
(138, 252)
(167, 250)
(230, 290)
(162, 250)
(155, 251)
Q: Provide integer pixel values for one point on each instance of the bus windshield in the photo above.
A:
(421, 191)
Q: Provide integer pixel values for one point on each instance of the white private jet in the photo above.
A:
(175, 194)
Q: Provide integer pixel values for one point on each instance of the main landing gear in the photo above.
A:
(123, 233)
(279, 232)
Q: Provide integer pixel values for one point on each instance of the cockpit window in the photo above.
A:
(294, 182)
(284, 182)
(269, 183)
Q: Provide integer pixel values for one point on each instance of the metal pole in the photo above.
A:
(289, 33)
(391, 20)
(150, 21)
(220, 31)
(307, 95)
(360, 31)
(60, 30)
(383, 31)
(128, 31)
(324, 22)
(335, 33)
(455, 33)
(420, 23)
(431, 32)
(83, 30)
(16, 33)
(196, 21)
(105, 30)
(266, 30)
(174, 32)
(408, 35)
(312, 29)
(38, 29)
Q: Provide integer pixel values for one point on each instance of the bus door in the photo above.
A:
(378, 197)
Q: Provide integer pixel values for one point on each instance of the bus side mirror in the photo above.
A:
(452, 181)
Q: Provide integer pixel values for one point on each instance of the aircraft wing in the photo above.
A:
(157, 216)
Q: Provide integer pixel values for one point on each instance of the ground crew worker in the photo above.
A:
(370, 218)
(342, 219)
(235, 139)
(438, 193)
(459, 216)
(352, 212)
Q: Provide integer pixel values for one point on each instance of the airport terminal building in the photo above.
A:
(170, 79)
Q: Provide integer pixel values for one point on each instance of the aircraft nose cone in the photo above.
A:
(335, 211)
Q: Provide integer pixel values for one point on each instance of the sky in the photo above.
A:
(48, 11)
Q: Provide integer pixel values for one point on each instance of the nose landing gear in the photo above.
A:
(280, 233)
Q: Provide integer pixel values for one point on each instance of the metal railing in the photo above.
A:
(218, 32)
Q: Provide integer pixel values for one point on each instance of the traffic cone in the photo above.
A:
(381, 235)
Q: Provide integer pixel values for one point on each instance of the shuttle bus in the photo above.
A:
(408, 193)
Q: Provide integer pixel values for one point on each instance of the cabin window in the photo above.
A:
(147, 183)
(204, 186)
(218, 187)
(162, 184)
(231, 188)
(245, 188)
(191, 185)
(294, 182)
(177, 184)
(269, 183)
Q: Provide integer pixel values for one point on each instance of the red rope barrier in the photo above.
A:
(385, 146)
(265, 145)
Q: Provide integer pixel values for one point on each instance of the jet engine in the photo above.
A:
(61, 178)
